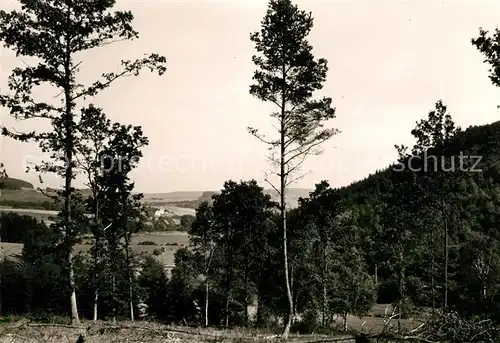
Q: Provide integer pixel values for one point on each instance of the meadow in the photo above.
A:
(164, 248)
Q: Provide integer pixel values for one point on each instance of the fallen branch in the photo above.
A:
(67, 326)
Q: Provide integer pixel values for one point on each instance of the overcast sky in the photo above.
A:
(389, 62)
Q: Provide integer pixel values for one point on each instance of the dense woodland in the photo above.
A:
(420, 234)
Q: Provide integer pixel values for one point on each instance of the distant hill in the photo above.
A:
(22, 194)
(193, 199)
(12, 183)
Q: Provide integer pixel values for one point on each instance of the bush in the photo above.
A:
(157, 252)
(147, 243)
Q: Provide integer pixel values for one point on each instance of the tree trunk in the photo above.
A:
(206, 302)
(129, 275)
(323, 321)
(226, 312)
(113, 294)
(288, 321)
(96, 299)
(295, 296)
(246, 294)
(207, 269)
(258, 319)
(445, 222)
(68, 175)
(345, 321)
(433, 271)
(98, 250)
(75, 320)
(401, 289)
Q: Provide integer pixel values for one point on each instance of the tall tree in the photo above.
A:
(56, 32)
(436, 170)
(95, 130)
(287, 75)
(241, 213)
(321, 209)
(203, 239)
(124, 210)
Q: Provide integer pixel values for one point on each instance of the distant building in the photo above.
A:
(159, 212)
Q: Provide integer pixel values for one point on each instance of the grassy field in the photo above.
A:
(23, 195)
(144, 332)
(166, 242)
(20, 330)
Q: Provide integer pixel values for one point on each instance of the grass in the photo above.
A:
(170, 242)
(145, 332)
(21, 330)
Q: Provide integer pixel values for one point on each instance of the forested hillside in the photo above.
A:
(472, 200)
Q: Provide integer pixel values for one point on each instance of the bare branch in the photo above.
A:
(254, 132)
(304, 150)
(271, 184)
(54, 197)
(288, 183)
(296, 166)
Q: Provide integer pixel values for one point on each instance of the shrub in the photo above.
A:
(147, 243)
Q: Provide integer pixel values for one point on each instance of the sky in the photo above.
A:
(389, 62)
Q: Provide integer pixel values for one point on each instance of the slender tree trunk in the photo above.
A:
(401, 289)
(206, 302)
(68, 149)
(246, 302)
(288, 321)
(295, 296)
(246, 311)
(345, 321)
(445, 223)
(129, 275)
(113, 294)
(96, 299)
(228, 288)
(207, 269)
(226, 312)
(98, 252)
(75, 320)
(323, 321)
(433, 271)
